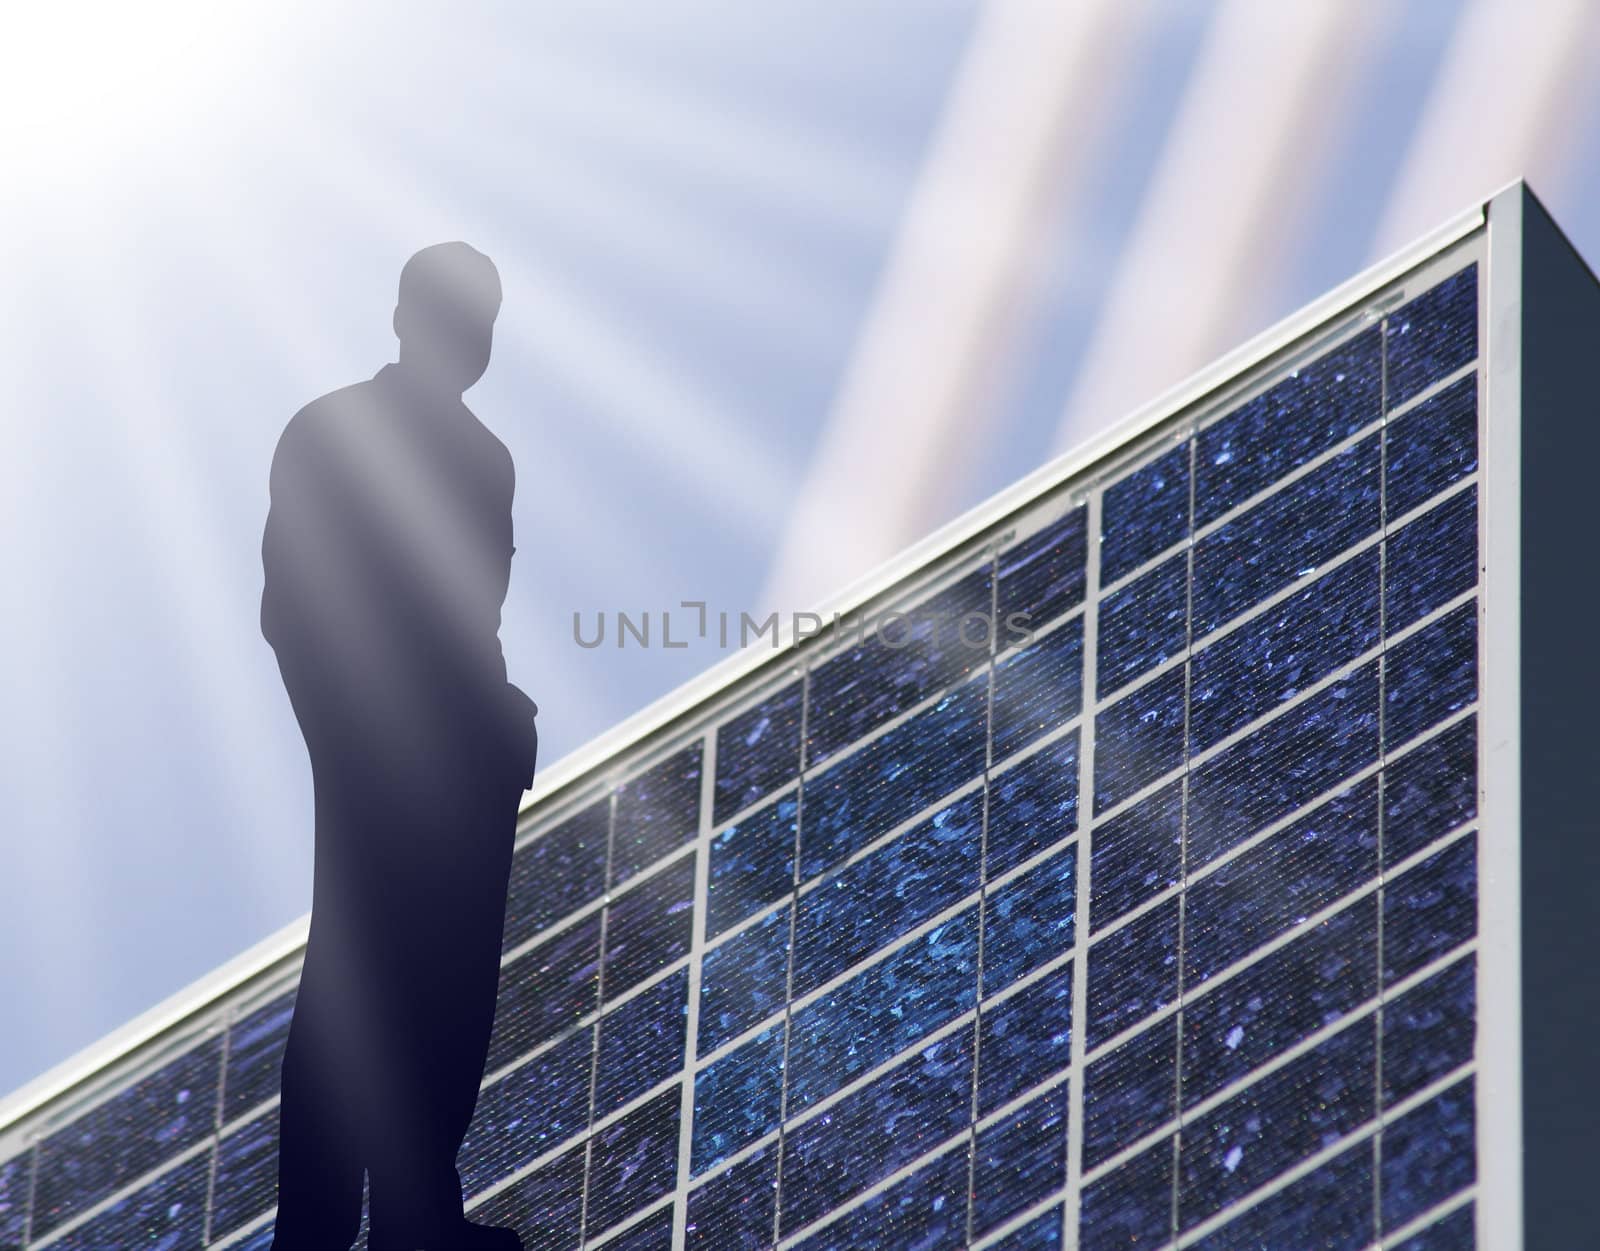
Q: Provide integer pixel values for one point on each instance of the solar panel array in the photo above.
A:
(1125, 898)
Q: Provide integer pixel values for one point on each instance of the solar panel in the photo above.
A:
(1147, 915)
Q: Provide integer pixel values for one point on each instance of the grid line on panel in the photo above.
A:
(1304, 926)
(126, 1191)
(1431, 1217)
(751, 809)
(1089, 685)
(823, 1106)
(631, 1225)
(1265, 605)
(1316, 1160)
(588, 1021)
(33, 1191)
(983, 872)
(864, 1196)
(1287, 1055)
(697, 949)
(580, 1138)
(1266, 832)
(1300, 697)
(229, 1017)
(1289, 478)
(1183, 828)
(1383, 777)
(897, 945)
(594, 1027)
(788, 973)
(1011, 1224)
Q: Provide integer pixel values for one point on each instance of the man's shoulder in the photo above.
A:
(309, 433)
(335, 406)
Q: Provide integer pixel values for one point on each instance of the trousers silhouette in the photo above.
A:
(397, 995)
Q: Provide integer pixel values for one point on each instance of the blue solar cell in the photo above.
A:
(1026, 1039)
(1430, 675)
(872, 1132)
(1245, 1021)
(128, 1134)
(1432, 560)
(1432, 336)
(1430, 909)
(1143, 624)
(1144, 514)
(752, 865)
(758, 751)
(1033, 804)
(653, 1233)
(1335, 1200)
(738, 1098)
(545, 1206)
(546, 991)
(1038, 689)
(869, 904)
(558, 872)
(1286, 536)
(1019, 1160)
(927, 1210)
(169, 1212)
(1139, 738)
(255, 1056)
(1266, 891)
(1130, 1092)
(1429, 1030)
(937, 642)
(16, 1178)
(1042, 1233)
(883, 1010)
(1137, 854)
(1433, 445)
(1323, 402)
(1029, 921)
(1430, 790)
(735, 1210)
(1273, 1125)
(641, 1043)
(1130, 1206)
(1428, 1155)
(745, 980)
(1043, 576)
(632, 1162)
(529, 1111)
(247, 1174)
(1133, 972)
(1456, 1232)
(893, 777)
(657, 812)
(649, 927)
(1291, 646)
(1289, 761)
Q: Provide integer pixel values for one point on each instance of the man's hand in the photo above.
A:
(522, 725)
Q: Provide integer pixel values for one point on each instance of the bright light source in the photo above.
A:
(87, 86)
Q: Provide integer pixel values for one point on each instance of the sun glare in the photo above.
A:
(87, 86)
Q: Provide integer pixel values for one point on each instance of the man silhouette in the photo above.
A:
(387, 555)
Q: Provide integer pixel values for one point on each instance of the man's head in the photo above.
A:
(449, 297)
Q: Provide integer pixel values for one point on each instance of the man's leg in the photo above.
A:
(441, 1035)
(319, 1165)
